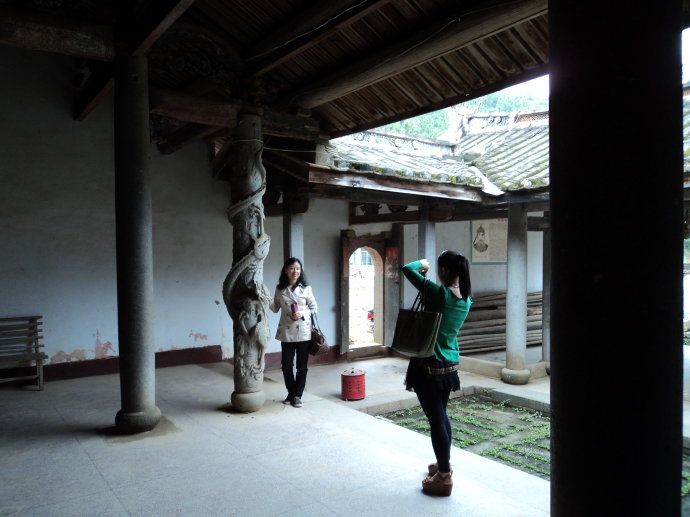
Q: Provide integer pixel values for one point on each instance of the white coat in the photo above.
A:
(289, 330)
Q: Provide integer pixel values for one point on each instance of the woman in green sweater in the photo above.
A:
(433, 378)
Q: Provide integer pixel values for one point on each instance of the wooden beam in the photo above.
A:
(399, 217)
(197, 110)
(305, 30)
(210, 112)
(358, 195)
(425, 45)
(319, 174)
(97, 86)
(38, 31)
(538, 224)
(151, 23)
(539, 197)
(183, 136)
(293, 167)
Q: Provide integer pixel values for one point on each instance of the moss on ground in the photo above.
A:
(512, 435)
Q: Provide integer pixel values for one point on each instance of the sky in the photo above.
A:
(540, 87)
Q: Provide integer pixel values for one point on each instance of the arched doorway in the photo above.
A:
(375, 280)
(365, 285)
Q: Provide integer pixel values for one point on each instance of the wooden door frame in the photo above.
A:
(388, 246)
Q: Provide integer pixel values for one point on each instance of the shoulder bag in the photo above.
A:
(416, 329)
(318, 344)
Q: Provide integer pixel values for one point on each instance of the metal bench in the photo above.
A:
(20, 344)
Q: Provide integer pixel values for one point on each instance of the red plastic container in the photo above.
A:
(353, 386)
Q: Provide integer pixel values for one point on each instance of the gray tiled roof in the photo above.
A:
(511, 159)
(496, 160)
(390, 161)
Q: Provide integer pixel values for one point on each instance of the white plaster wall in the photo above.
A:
(485, 277)
(57, 221)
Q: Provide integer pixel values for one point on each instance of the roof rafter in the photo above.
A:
(436, 40)
(152, 22)
(305, 30)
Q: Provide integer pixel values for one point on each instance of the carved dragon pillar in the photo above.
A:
(245, 295)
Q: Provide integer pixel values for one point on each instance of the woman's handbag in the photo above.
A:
(318, 343)
(416, 329)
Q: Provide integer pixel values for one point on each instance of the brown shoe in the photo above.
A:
(433, 469)
(438, 484)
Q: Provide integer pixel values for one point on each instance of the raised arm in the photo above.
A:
(412, 272)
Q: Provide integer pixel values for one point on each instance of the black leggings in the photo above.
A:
(295, 385)
(433, 397)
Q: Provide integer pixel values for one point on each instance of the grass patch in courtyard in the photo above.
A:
(515, 436)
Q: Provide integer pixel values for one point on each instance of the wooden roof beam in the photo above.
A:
(306, 30)
(209, 112)
(322, 175)
(425, 45)
(154, 19)
(152, 22)
(183, 136)
(30, 30)
(319, 174)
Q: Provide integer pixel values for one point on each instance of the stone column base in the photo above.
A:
(247, 402)
(515, 376)
(138, 422)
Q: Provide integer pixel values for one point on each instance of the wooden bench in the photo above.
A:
(20, 344)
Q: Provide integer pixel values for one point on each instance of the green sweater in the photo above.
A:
(440, 299)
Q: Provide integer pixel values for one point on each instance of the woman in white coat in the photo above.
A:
(295, 301)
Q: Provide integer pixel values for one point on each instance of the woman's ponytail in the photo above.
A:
(459, 266)
(464, 277)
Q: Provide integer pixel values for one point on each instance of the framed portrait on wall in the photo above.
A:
(489, 241)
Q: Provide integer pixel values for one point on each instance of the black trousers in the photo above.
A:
(433, 397)
(295, 385)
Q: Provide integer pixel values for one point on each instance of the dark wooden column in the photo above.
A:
(616, 208)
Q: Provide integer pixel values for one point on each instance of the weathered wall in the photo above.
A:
(57, 213)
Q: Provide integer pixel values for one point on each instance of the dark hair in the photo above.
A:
(457, 265)
(283, 281)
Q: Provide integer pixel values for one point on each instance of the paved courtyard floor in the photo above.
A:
(58, 455)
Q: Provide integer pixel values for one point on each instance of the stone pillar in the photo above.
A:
(546, 301)
(293, 236)
(516, 298)
(616, 167)
(245, 295)
(134, 247)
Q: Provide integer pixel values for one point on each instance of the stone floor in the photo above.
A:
(60, 457)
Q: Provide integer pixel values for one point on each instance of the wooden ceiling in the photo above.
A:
(327, 67)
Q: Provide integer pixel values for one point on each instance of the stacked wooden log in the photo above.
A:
(485, 327)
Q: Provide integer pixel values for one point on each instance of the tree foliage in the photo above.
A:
(429, 125)
(500, 102)
(432, 125)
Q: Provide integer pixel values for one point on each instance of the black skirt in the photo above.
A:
(417, 374)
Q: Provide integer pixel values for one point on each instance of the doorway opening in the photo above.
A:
(365, 286)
